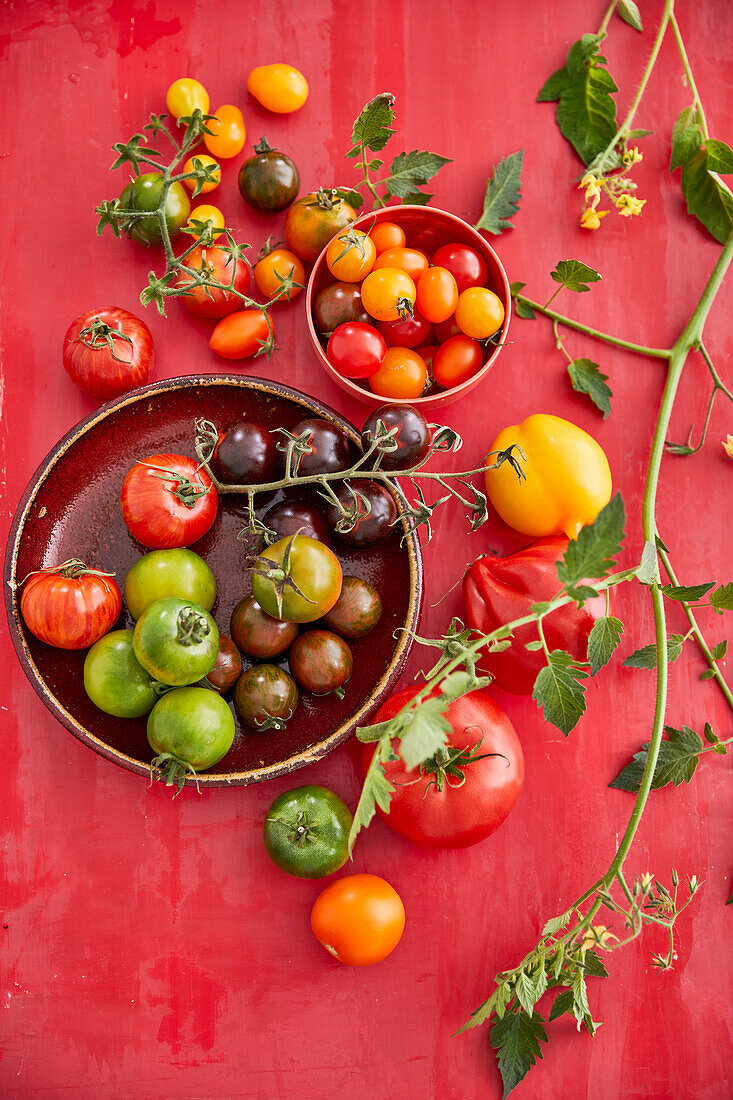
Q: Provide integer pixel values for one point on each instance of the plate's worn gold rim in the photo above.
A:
(255, 775)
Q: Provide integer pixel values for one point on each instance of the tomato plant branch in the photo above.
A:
(596, 334)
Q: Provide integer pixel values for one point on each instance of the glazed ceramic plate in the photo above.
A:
(71, 509)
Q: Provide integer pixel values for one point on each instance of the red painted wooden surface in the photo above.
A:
(148, 947)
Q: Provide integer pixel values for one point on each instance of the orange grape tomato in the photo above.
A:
(276, 266)
(387, 235)
(185, 95)
(359, 919)
(479, 312)
(388, 294)
(437, 294)
(205, 160)
(403, 374)
(279, 88)
(228, 132)
(410, 260)
(240, 335)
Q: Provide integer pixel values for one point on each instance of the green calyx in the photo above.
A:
(192, 627)
(301, 830)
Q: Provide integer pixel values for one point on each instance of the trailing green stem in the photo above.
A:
(597, 334)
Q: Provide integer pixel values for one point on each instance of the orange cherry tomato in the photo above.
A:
(457, 360)
(479, 312)
(211, 217)
(403, 374)
(410, 260)
(240, 335)
(350, 255)
(228, 133)
(388, 294)
(185, 95)
(279, 88)
(437, 294)
(204, 160)
(387, 235)
(359, 919)
(276, 266)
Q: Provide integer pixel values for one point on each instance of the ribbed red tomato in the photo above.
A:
(108, 352)
(168, 501)
(70, 606)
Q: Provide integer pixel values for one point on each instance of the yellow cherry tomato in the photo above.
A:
(211, 216)
(276, 266)
(387, 235)
(185, 95)
(479, 313)
(350, 255)
(279, 88)
(567, 478)
(388, 294)
(228, 133)
(204, 160)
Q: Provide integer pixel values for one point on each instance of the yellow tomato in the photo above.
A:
(279, 88)
(184, 95)
(479, 313)
(228, 133)
(388, 294)
(205, 161)
(350, 255)
(211, 215)
(568, 479)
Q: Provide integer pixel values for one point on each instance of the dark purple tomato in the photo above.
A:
(328, 448)
(410, 333)
(246, 454)
(268, 180)
(357, 610)
(257, 634)
(320, 661)
(297, 515)
(371, 526)
(228, 667)
(356, 350)
(265, 697)
(465, 264)
(335, 305)
(412, 435)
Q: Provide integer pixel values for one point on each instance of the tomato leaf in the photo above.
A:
(602, 641)
(376, 791)
(563, 1003)
(591, 554)
(521, 307)
(372, 129)
(722, 598)
(707, 198)
(678, 758)
(649, 566)
(426, 732)
(516, 1039)
(586, 377)
(686, 137)
(628, 11)
(417, 198)
(689, 594)
(409, 170)
(554, 924)
(586, 111)
(559, 691)
(574, 275)
(502, 196)
(718, 651)
(646, 657)
(720, 157)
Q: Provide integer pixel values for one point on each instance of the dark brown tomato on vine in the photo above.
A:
(108, 352)
(269, 180)
(257, 634)
(411, 435)
(228, 667)
(328, 449)
(321, 662)
(217, 264)
(337, 304)
(314, 220)
(291, 516)
(357, 610)
(265, 697)
(246, 454)
(373, 524)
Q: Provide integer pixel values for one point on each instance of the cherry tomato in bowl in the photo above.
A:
(410, 333)
(457, 360)
(190, 729)
(401, 374)
(466, 264)
(356, 350)
(108, 352)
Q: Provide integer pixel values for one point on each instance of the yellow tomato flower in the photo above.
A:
(632, 156)
(593, 188)
(728, 446)
(628, 206)
(591, 219)
(597, 936)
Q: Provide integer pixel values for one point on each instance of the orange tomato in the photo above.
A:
(279, 88)
(228, 132)
(350, 255)
(275, 266)
(359, 919)
(479, 312)
(437, 294)
(240, 335)
(410, 260)
(388, 294)
(212, 217)
(387, 235)
(402, 375)
(204, 160)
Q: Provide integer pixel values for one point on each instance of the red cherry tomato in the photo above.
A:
(465, 264)
(167, 501)
(446, 329)
(427, 353)
(356, 350)
(457, 360)
(240, 335)
(108, 352)
(437, 294)
(411, 332)
(212, 303)
(70, 606)
(403, 374)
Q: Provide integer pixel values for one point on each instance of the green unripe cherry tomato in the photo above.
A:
(163, 573)
(306, 832)
(114, 679)
(192, 724)
(176, 641)
(143, 194)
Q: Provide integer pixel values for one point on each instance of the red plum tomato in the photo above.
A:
(410, 333)
(457, 360)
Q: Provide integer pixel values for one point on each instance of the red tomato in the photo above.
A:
(356, 350)
(432, 805)
(168, 501)
(359, 919)
(410, 260)
(446, 329)
(218, 264)
(457, 360)
(403, 374)
(240, 335)
(437, 294)
(465, 264)
(411, 332)
(427, 353)
(70, 606)
(108, 352)
(387, 235)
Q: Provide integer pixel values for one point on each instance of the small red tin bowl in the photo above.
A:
(426, 229)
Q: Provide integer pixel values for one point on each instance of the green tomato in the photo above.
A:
(191, 726)
(306, 832)
(114, 679)
(143, 194)
(298, 579)
(163, 573)
(176, 641)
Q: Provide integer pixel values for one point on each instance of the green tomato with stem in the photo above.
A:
(114, 679)
(163, 573)
(190, 729)
(143, 195)
(176, 641)
(306, 832)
